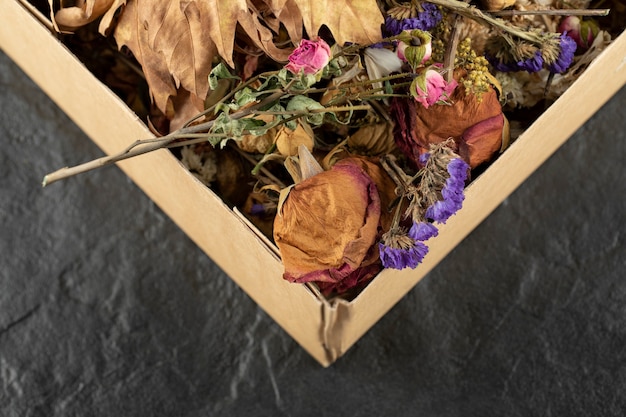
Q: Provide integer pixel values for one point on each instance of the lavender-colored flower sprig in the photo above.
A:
(452, 192)
(531, 64)
(426, 19)
(560, 61)
(556, 54)
(438, 190)
(435, 193)
(400, 249)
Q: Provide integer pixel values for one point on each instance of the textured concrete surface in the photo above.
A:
(108, 309)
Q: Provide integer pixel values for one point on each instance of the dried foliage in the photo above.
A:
(176, 41)
(379, 140)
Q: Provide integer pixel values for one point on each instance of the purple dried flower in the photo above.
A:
(533, 64)
(452, 192)
(442, 210)
(457, 168)
(399, 258)
(423, 158)
(566, 55)
(425, 20)
(429, 18)
(393, 26)
(422, 231)
(399, 249)
(501, 66)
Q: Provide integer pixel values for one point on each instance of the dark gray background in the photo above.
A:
(108, 309)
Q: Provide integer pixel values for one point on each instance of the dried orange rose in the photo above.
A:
(475, 125)
(329, 224)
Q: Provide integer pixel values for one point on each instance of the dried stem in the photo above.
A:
(300, 113)
(471, 12)
(451, 47)
(396, 173)
(360, 83)
(553, 12)
(141, 147)
(195, 133)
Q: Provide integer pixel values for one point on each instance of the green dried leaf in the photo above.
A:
(304, 104)
(220, 72)
(245, 96)
(235, 128)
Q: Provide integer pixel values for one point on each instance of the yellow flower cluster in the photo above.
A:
(476, 80)
(439, 50)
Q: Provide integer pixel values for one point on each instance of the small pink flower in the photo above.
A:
(582, 31)
(310, 56)
(430, 88)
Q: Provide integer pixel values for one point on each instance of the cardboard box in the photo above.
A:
(325, 329)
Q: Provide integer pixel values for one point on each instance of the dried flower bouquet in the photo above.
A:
(345, 130)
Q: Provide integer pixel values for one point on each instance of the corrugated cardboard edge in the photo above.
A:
(229, 241)
(346, 323)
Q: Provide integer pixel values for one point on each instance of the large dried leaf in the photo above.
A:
(175, 53)
(283, 12)
(356, 21)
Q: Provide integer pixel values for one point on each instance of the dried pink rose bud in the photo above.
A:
(582, 31)
(310, 56)
(430, 88)
(415, 47)
(401, 49)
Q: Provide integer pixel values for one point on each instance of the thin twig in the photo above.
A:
(305, 112)
(451, 47)
(360, 83)
(553, 12)
(229, 96)
(141, 147)
(484, 18)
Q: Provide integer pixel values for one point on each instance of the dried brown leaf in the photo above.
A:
(107, 17)
(373, 140)
(356, 21)
(175, 53)
(82, 13)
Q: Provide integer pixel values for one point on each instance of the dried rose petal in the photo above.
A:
(481, 141)
(328, 226)
(384, 184)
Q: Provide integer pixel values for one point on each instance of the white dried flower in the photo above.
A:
(202, 165)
